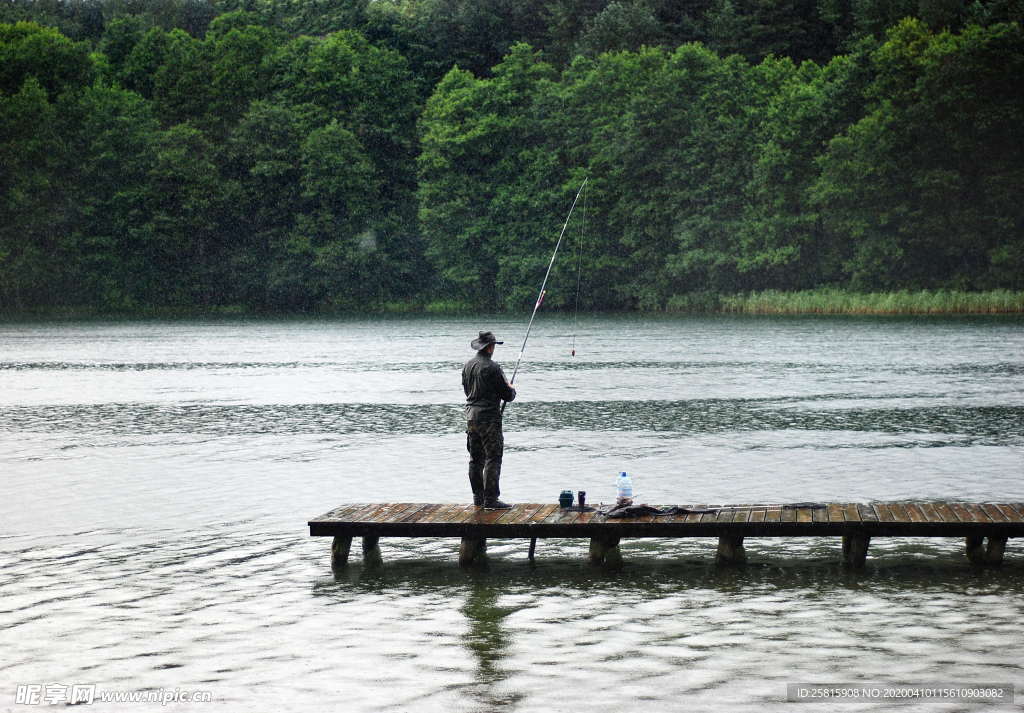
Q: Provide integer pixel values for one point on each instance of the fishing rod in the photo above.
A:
(543, 290)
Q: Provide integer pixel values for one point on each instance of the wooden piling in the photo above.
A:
(340, 548)
(730, 550)
(855, 549)
(985, 550)
(371, 551)
(472, 551)
(604, 551)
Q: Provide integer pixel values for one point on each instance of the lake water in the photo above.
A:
(157, 478)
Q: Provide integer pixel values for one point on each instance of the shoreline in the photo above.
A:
(821, 302)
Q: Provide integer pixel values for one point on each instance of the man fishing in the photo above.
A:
(485, 386)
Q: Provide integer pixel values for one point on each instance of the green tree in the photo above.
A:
(624, 106)
(112, 143)
(182, 83)
(482, 171)
(120, 37)
(783, 245)
(30, 151)
(41, 75)
(332, 239)
(262, 174)
(239, 57)
(29, 50)
(620, 26)
(181, 259)
(924, 182)
(370, 91)
(142, 62)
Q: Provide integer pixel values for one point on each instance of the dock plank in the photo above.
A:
(994, 513)
(450, 514)
(977, 512)
(899, 512)
(930, 513)
(914, 510)
(542, 514)
(694, 516)
(456, 514)
(555, 516)
(881, 519)
(945, 512)
(362, 512)
(962, 512)
(371, 514)
(435, 516)
(883, 512)
(342, 512)
(525, 513)
(867, 513)
(390, 512)
(1009, 512)
(487, 517)
(467, 514)
(417, 511)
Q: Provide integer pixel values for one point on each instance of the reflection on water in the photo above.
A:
(157, 477)
(488, 640)
(672, 625)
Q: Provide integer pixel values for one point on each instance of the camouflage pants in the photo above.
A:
(486, 444)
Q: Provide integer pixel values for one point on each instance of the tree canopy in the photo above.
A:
(348, 154)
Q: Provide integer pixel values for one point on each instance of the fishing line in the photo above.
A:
(579, 269)
(543, 288)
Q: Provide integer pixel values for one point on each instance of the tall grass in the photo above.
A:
(834, 301)
(448, 306)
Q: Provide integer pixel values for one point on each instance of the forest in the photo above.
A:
(386, 155)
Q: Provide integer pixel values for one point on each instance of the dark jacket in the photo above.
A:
(485, 387)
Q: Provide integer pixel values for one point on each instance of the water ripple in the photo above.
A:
(993, 424)
(452, 366)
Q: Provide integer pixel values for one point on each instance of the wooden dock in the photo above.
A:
(985, 526)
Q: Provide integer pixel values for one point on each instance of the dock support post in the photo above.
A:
(604, 550)
(472, 551)
(533, 547)
(340, 548)
(371, 551)
(730, 550)
(985, 550)
(855, 549)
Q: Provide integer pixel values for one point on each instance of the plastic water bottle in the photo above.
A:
(624, 487)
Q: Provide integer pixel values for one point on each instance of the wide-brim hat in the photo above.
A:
(484, 340)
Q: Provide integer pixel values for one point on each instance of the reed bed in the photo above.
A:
(834, 301)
